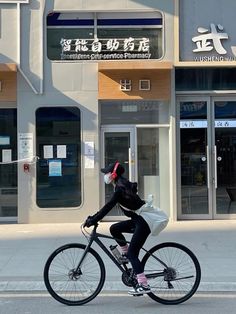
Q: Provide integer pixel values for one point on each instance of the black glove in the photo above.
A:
(90, 221)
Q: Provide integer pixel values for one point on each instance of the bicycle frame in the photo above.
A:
(94, 237)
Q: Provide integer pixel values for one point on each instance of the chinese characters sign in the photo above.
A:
(209, 40)
(211, 44)
(105, 49)
(199, 124)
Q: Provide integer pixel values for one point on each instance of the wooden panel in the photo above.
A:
(134, 65)
(8, 67)
(8, 86)
(109, 84)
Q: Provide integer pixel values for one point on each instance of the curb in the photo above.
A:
(35, 286)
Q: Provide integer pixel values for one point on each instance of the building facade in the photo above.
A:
(85, 83)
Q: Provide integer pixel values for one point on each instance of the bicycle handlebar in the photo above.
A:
(83, 227)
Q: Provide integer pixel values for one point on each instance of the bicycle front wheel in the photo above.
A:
(173, 272)
(70, 285)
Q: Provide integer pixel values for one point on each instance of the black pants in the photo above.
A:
(140, 229)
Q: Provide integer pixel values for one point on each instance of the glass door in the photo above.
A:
(118, 144)
(224, 157)
(194, 167)
(207, 158)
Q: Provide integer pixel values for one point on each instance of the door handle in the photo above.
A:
(208, 168)
(215, 165)
(130, 165)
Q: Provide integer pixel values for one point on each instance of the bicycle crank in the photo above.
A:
(128, 278)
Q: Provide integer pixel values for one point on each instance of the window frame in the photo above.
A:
(79, 164)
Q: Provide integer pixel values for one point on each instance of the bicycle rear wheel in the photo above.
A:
(178, 280)
(69, 286)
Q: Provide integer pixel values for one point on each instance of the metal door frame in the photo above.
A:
(132, 155)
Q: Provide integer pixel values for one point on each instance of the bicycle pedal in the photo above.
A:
(138, 295)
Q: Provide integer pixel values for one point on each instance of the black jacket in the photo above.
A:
(125, 194)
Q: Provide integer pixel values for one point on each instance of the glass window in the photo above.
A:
(205, 79)
(104, 36)
(225, 110)
(195, 110)
(58, 132)
(134, 112)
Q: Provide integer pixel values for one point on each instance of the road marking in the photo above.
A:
(112, 294)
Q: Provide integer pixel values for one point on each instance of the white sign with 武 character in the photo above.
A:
(208, 37)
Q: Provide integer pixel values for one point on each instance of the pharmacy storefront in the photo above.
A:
(93, 86)
(133, 110)
(206, 110)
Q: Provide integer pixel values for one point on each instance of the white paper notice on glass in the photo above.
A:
(89, 162)
(25, 142)
(6, 155)
(47, 151)
(55, 168)
(61, 151)
(89, 148)
(4, 140)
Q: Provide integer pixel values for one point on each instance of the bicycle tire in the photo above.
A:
(64, 284)
(181, 278)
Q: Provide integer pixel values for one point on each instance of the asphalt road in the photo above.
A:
(42, 303)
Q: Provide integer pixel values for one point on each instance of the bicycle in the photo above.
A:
(74, 274)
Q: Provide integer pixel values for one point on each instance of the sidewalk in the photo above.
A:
(24, 250)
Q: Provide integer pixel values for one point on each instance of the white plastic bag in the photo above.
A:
(156, 218)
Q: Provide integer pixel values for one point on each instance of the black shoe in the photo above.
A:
(139, 290)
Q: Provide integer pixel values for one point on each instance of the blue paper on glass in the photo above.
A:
(55, 168)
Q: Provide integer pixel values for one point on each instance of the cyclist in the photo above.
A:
(125, 194)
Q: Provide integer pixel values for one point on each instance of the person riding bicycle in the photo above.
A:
(125, 194)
